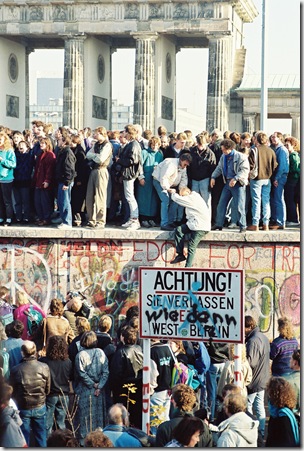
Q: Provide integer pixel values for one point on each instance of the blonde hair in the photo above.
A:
(7, 142)
(21, 298)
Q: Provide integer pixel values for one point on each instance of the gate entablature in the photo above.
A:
(78, 26)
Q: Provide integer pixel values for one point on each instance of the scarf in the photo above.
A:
(225, 168)
(276, 412)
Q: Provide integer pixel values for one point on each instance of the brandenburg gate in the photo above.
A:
(90, 31)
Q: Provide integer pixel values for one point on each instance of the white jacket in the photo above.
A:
(170, 174)
(238, 431)
(197, 211)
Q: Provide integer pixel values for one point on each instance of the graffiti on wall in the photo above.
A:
(107, 272)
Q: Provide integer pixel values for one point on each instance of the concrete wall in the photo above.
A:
(105, 267)
(93, 48)
(16, 90)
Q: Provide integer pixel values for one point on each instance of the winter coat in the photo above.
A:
(65, 166)
(238, 431)
(45, 170)
(257, 351)
(240, 165)
(130, 161)
(11, 435)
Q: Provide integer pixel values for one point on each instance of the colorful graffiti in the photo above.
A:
(107, 272)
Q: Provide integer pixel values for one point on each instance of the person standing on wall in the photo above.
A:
(96, 198)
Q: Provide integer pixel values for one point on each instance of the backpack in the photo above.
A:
(34, 321)
(184, 374)
(6, 313)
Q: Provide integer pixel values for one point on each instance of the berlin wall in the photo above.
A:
(105, 269)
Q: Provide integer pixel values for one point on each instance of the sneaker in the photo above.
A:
(7, 223)
(179, 258)
(134, 225)
(90, 224)
(216, 227)
(64, 226)
(146, 224)
(233, 226)
(126, 224)
(292, 224)
(152, 223)
(167, 227)
(56, 221)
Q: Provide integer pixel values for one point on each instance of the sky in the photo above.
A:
(282, 53)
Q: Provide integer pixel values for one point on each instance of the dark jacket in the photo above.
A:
(82, 167)
(165, 430)
(218, 352)
(280, 433)
(24, 169)
(202, 165)
(257, 350)
(162, 356)
(170, 152)
(126, 366)
(61, 375)
(65, 166)
(31, 382)
(130, 161)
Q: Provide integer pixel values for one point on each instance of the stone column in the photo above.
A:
(219, 83)
(249, 122)
(73, 87)
(144, 90)
(295, 125)
(28, 51)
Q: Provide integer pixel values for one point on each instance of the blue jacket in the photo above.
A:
(283, 162)
(120, 437)
(7, 165)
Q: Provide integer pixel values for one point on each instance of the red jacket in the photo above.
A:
(45, 170)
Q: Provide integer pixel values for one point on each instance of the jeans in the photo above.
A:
(238, 192)
(165, 201)
(277, 202)
(35, 420)
(64, 203)
(260, 193)
(130, 198)
(194, 239)
(56, 406)
(202, 187)
(256, 400)
(212, 378)
(159, 409)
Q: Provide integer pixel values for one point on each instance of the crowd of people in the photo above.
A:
(66, 385)
(134, 179)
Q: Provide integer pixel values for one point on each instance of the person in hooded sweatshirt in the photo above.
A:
(239, 430)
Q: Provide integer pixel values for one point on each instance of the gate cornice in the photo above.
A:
(103, 16)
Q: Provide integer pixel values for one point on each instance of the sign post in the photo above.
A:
(189, 304)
